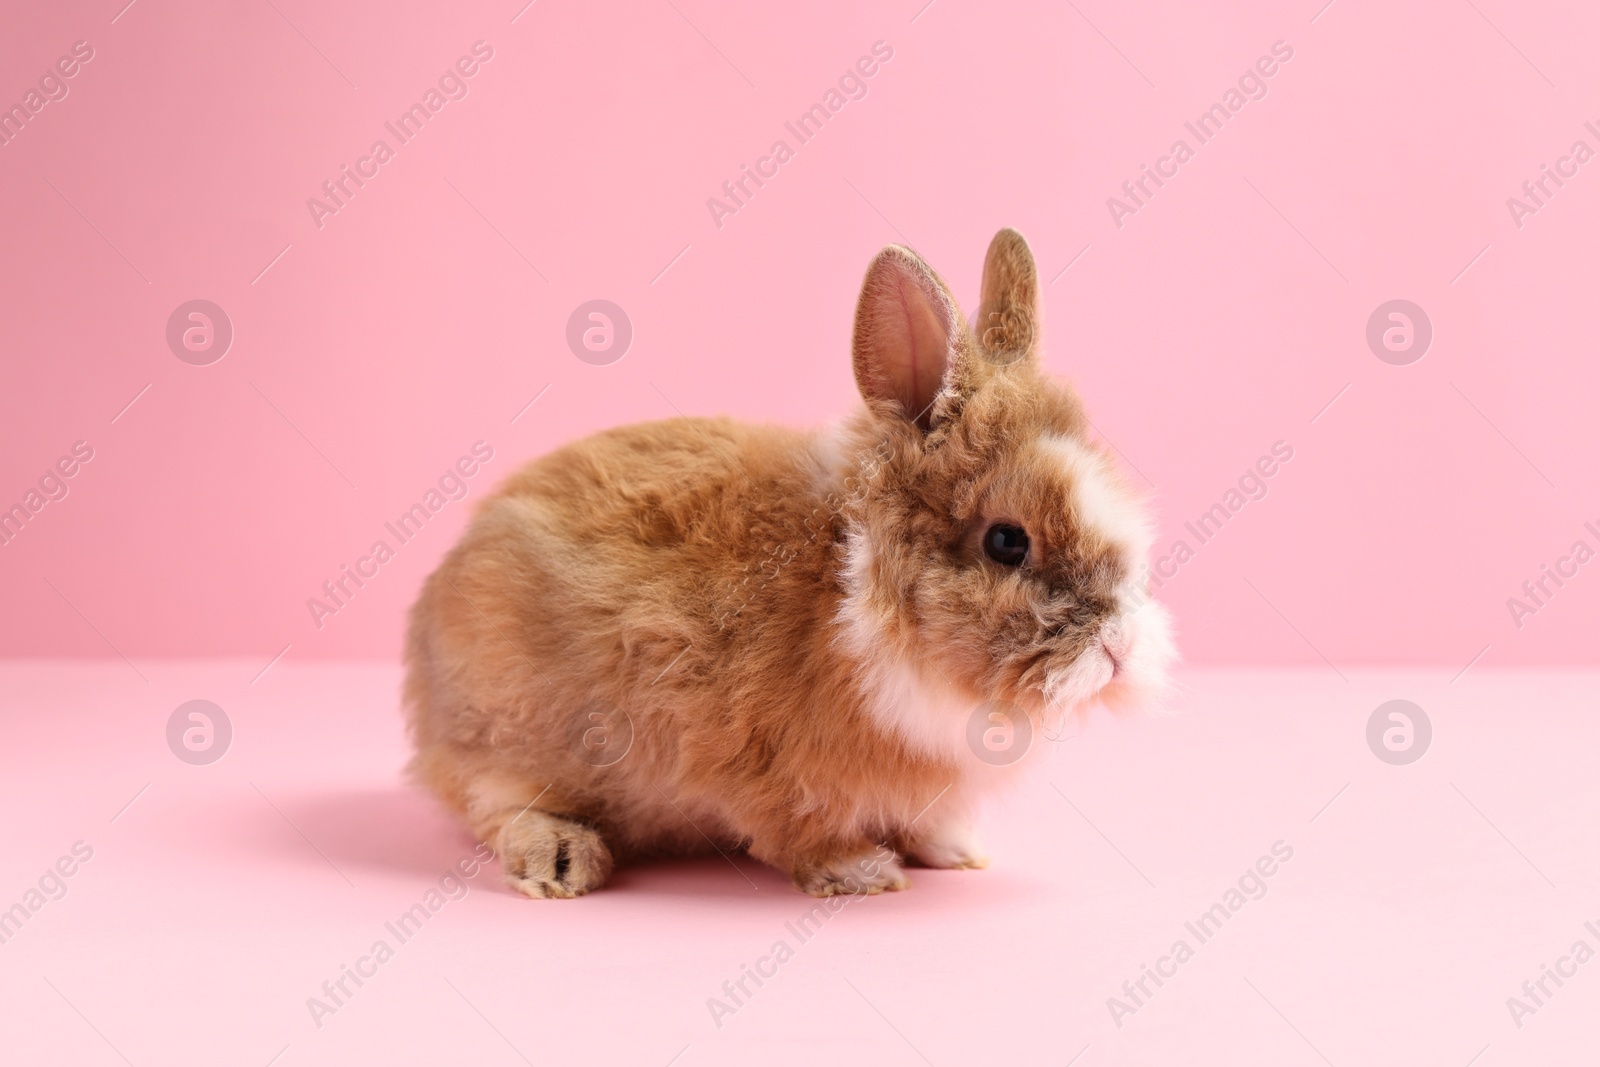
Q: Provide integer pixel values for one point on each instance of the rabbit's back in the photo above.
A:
(608, 577)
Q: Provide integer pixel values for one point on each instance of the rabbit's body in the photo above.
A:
(698, 634)
(666, 611)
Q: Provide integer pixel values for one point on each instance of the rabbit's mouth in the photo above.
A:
(1117, 669)
(1115, 641)
(1141, 654)
(1075, 685)
(1125, 662)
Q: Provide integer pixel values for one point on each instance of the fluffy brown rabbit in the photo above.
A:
(818, 647)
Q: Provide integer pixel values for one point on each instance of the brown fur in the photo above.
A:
(736, 594)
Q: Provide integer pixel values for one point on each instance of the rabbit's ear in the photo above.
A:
(1006, 327)
(907, 335)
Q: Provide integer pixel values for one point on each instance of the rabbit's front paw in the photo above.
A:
(548, 857)
(949, 847)
(868, 872)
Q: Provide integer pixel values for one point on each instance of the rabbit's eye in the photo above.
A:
(1006, 544)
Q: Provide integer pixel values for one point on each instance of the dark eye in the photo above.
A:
(1006, 544)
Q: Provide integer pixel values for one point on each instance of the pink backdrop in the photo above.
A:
(374, 346)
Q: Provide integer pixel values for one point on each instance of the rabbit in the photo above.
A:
(821, 648)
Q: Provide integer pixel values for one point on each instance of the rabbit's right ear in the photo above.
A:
(906, 333)
(1007, 326)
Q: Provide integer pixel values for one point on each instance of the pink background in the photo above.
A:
(416, 321)
(1228, 314)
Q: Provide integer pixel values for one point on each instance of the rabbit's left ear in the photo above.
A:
(908, 335)
(1006, 327)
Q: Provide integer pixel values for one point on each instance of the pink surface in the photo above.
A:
(219, 898)
(373, 346)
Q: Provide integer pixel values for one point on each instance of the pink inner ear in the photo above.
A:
(918, 347)
(904, 321)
